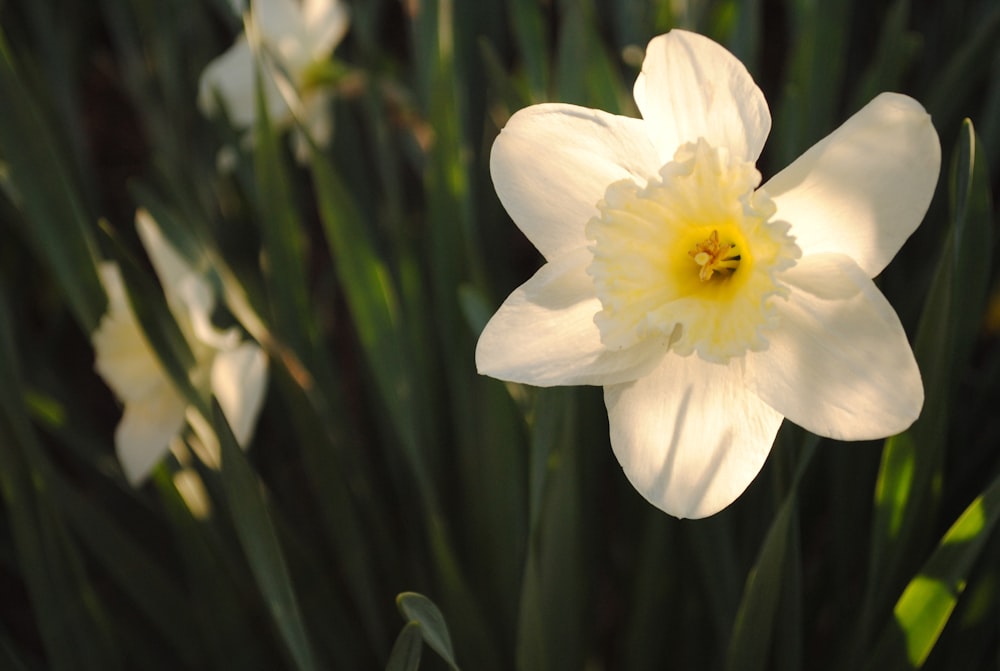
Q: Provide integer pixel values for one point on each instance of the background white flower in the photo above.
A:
(301, 38)
(707, 308)
(154, 413)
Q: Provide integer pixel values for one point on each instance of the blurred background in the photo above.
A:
(381, 462)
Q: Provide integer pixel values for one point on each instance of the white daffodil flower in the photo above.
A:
(709, 308)
(298, 39)
(154, 414)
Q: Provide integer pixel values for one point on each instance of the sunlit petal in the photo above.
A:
(326, 23)
(281, 26)
(690, 436)
(840, 364)
(230, 77)
(239, 380)
(552, 163)
(146, 429)
(544, 333)
(863, 189)
(691, 87)
(170, 266)
(123, 356)
(189, 295)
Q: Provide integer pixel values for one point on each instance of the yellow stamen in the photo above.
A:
(714, 257)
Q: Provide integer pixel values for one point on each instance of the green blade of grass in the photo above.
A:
(374, 304)
(219, 613)
(808, 107)
(585, 73)
(377, 319)
(284, 243)
(756, 617)
(966, 71)
(259, 540)
(528, 32)
(478, 420)
(897, 46)
(908, 485)
(10, 658)
(158, 598)
(929, 599)
(433, 628)
(56, 224)
(406, 651)
(550, 627)
(70, 617)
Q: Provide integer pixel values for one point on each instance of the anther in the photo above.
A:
(714, 257)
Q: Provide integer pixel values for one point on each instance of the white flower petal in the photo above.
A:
(197, 297)
(239, 380)
(544, 333)
(552, 163)
(170, 266)
(863, 189)
(281, 26)
(146, 428)
(123, 356)
(326, 23)
(839, 363)
(232, 78)
(690, 436)
(692, 87)
(189, 295)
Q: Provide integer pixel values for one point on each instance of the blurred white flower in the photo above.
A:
(707, 307)
(233, 370)
(297, 39)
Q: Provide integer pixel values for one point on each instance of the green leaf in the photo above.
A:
(216, 588)
(926, 604)
(908, 483)
(551, 625)
(907, 488)
(751, 639)
(896, 47)
(405, 655)
(259, 540)
(755, 619)
(74, 630)
(284, 243)
(9, 657)
(142, 579)
(373, 301)
(966, 70)
(584, 71)
(971, 207)
(713, 545)
(420, 610)
(808, 108)
(41, 185)
(528, 30)
(374, 304)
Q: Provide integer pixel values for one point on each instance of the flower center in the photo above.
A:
(693, 257)
(714, 257)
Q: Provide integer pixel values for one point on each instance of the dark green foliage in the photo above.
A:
(382, 464)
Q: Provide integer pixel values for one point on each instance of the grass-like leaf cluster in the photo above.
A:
(382, 464)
